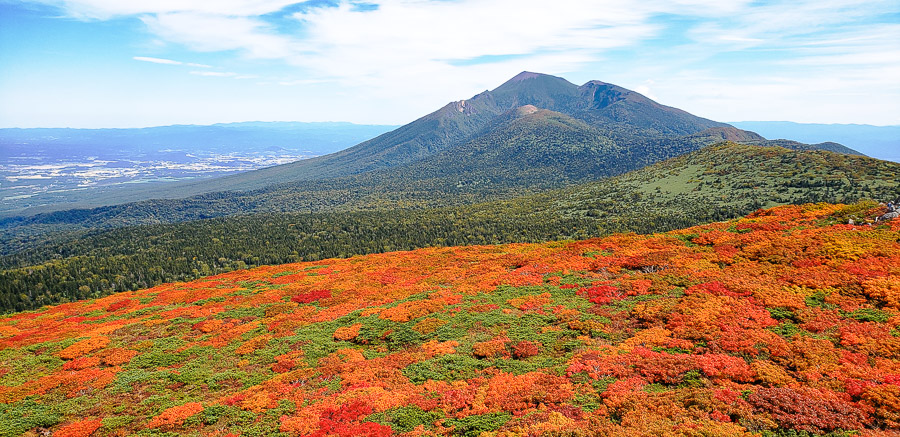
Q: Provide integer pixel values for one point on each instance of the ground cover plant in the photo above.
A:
(782, 323)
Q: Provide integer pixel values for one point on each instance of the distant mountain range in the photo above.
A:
(161, 141)
(882, 142)
(64, 168)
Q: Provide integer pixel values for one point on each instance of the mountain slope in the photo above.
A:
(779, 323)
(715, 183)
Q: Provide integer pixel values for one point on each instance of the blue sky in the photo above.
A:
(127, 63)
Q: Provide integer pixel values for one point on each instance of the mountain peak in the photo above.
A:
(524, 76)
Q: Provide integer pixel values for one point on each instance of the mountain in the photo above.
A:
(533, 132)
(596, 103)
(715, 183)
(882, 142)
(780, 323)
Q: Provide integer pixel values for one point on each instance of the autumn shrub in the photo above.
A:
(600, 294)
(885, 399)
(83, 347)
(347, 333)
(81, 363)
(428, 326)
(117, 305)
(311, 296)
(661, 367)
(725, 367)
(116, 356)
(524, 349)
(490, 349)
(809, 409)
(83, 428)
(253, 344)
(175, 416)
(343, 420)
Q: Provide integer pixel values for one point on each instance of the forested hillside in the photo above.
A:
(715, 183)
(782, 323)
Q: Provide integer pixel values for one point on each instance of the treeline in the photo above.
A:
(100, 263)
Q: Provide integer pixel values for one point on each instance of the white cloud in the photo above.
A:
(215, 32)
(169, 62)
(156, 60)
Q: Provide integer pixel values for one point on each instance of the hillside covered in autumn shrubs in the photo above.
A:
(782, 323)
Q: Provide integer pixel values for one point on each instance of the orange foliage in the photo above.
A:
(83, 347)
(347, 333)
(83, 428)
(175, 416)
(491, 349)
(252, 345)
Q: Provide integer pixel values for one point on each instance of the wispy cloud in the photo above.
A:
(156, 60)
(169, 62)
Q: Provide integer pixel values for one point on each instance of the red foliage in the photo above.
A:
(808, 409)
(115, 306)
(601, 294)
(725, 367)
(524, 349)
(343, 421)
(81, 363)
(715, 288)
(311, 296)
